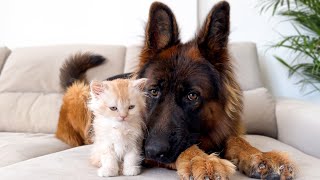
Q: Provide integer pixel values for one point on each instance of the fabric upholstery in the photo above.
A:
(298, 124)
(36, 69)
(74, 164)
(4, 53)
(132, 59)
(259, 112)
(29, 112)
(16, 147)
(245, 58)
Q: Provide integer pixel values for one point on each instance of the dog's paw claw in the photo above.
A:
(217, 177)
(280, 165)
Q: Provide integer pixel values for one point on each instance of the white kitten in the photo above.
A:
(118, 107)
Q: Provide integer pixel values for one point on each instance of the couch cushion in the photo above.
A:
(4, 53)
(36, 69)
(298, 123)
(259, 112)
(29, 112)
(74, 164)
(16, 147)
(244, 57)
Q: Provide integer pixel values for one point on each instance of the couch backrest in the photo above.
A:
(4, 53)
(31, 96)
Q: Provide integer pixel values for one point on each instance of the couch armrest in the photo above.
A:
(299, 125)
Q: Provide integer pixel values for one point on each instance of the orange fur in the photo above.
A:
(255, 163)
(75, 118)
(196, 163)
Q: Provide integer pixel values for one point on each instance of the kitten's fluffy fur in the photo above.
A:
(118, 107)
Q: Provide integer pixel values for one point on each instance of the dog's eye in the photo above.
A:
(192, 96)
(131, 106)
(113, 108)
(154, 92)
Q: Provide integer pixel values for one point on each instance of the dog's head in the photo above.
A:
(191, 88)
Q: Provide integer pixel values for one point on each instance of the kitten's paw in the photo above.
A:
(107, 172)
(131, 171)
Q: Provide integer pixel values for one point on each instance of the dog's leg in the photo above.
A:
(257, 164)
(193, 163)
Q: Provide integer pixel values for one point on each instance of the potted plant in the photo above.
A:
(305, 16)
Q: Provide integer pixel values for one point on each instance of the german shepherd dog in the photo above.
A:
(194, 103)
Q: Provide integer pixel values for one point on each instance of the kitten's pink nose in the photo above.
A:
(123, 117)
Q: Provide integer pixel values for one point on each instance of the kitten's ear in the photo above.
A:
(97, 88)
(140, 83)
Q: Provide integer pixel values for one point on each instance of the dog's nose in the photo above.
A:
(273, 176)
(156, 150)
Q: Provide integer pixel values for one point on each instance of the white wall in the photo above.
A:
(247, 24)
(43, 22)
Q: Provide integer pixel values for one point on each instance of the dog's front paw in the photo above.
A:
(202, 166)
(107, 172)
(268, 165)
(254, 165)
(280, 165)
(131, 171)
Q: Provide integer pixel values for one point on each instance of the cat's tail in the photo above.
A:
(75, 67)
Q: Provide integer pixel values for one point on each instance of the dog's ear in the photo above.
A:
(162, 29)
(213, 36)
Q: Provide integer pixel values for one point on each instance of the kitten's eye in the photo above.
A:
(154, 92)
(192, 96)
(131, 106)
(113, 108)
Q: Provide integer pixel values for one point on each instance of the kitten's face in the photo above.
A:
(121, 100)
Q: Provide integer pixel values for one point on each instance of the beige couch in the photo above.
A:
(30, 99)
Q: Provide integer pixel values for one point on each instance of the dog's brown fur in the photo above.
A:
(203, 165)
(219, 117)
